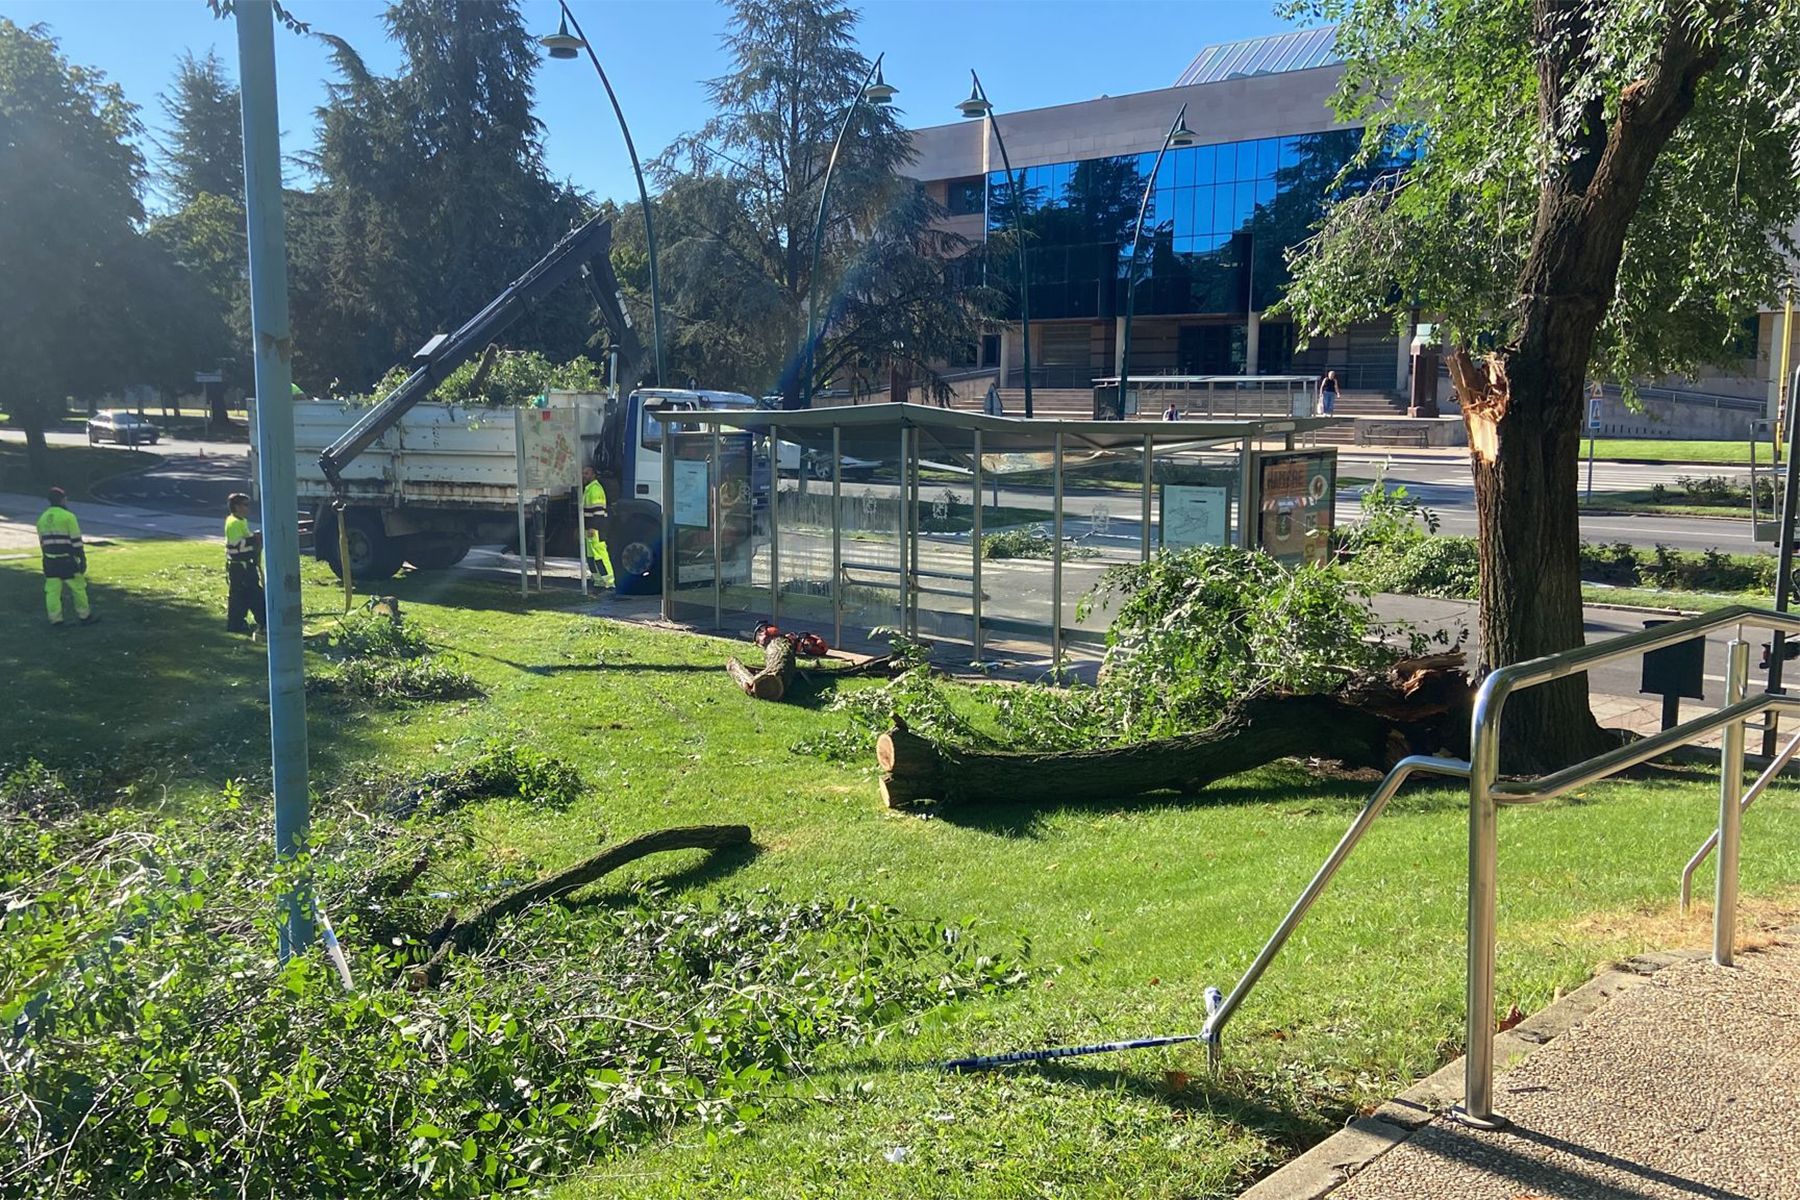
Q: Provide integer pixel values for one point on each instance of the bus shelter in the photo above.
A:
(959, 526)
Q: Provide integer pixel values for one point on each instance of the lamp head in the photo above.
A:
(562, 43)
(1183, 136)
(976, 106)
(881, 91)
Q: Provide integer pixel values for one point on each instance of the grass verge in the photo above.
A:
(1657, 450)
(1130, 909)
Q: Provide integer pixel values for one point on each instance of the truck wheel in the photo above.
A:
(821, 468)
(431, 553)
(637, 557)
(372, 556)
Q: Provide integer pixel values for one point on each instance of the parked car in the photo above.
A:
(125, 428)
(818, 463)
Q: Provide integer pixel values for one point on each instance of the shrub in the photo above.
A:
(1031, 542)
(393, 681)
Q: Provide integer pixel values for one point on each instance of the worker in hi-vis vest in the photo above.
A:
(65, 560)
(243, 572)
(593, 513)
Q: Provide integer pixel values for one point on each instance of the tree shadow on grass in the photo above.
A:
(1277, 1119)
(712, 867)
(1284, 783)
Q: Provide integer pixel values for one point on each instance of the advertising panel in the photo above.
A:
(1296, 504)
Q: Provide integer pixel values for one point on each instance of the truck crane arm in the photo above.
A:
(585, 250)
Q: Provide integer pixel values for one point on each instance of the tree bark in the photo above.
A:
(770, 683)
(1420, 708)
(1522, 406)
(455, 936)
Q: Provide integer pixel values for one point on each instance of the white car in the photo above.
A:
(818, 464)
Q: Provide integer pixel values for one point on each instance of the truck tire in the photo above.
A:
(434, 552)
(636, 551)
(373, 557)
(821, 468)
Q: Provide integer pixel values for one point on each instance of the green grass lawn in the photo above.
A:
(75, 469)
(1130, 910)
(1642, 501)
(1657, 450)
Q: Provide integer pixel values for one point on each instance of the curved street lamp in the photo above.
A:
(876, 91)
(975, 108)
(564, 45)
(1179, 135)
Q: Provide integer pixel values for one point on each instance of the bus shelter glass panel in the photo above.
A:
(805, 515)
(869, 565)
(943, 576)
(1102, 527)
(1196, 496)
(710, 541)
(1016, 521)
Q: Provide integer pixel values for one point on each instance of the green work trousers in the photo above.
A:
(53, 597)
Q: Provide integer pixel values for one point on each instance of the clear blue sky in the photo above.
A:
(1030, 53)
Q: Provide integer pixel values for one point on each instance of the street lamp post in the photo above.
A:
(976, 107)
(1179, 135)
(875, 90)
(564, 44)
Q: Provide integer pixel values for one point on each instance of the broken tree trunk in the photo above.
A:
(1419, 707)
(770, 683)
(461, 936)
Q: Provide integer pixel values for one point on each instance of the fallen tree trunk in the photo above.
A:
(461, 936)
(1420, 707)
(770, 683)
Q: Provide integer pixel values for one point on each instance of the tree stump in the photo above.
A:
(1421, 706)
(770, 683)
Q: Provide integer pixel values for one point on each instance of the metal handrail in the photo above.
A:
(1756, 789)
(1401, 771)
(1486, 797)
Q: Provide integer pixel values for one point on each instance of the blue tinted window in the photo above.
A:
(1181, 211)
(1287, 152)
(1243, 204)
(1265, 192)
(1182, 161)
(1203, 163)
(1223, 221)
(1267, 151)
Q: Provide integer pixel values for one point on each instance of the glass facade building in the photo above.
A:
(1215, 240)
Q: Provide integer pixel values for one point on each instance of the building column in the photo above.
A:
(1253, 343)
(1118, 346)
(1005, 353)
(1403, 361)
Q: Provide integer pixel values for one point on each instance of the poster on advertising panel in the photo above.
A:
(551, 449)
(1296, 504)
(1195, 516)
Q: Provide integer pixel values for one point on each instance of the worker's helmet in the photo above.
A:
(57, 495)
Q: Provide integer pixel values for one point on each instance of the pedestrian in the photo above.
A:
(65, 560)
(593, 512)
(990, 403)
(1171, 413)
(243, 569)
(1328, 393)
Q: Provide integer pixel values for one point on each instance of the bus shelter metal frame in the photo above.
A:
(965, 440)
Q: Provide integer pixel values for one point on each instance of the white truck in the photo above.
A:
(422, 483)
(443, 478)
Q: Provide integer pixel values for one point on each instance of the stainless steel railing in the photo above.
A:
(1756, 789)
(1402, 770)
(1486, 795)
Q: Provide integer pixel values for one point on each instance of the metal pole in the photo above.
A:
(519, 488)
(905, 441)
(715, 475)
(837, 535)
(912, 612)
(671, 533)
(1731, 789)
(812, 278)
(775, 522)
(1149, 486)
(1784, 571)
(543, 519)
(1589, 498)
(581, 562)
(272, 344)
(637, 169)
(975, 546)
(1131, 263)
(1246, 496)
(1484, 865)
(1018, 196)
(1056, 558)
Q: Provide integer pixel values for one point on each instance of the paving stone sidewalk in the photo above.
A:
(1687, 1085)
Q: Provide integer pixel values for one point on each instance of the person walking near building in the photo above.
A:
(65, 560)
(593, 512)
(1171, 413)
(1328, 394)
(243, 570)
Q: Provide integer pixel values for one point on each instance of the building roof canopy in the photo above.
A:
(1300, 50)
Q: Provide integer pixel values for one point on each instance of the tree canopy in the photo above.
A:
(740, 201)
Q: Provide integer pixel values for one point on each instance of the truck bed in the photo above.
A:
(443, 455)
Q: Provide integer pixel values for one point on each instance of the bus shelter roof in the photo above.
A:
(870, 431)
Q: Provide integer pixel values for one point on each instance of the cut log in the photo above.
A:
(770, 683)
(461, 936)
(1418, 708)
